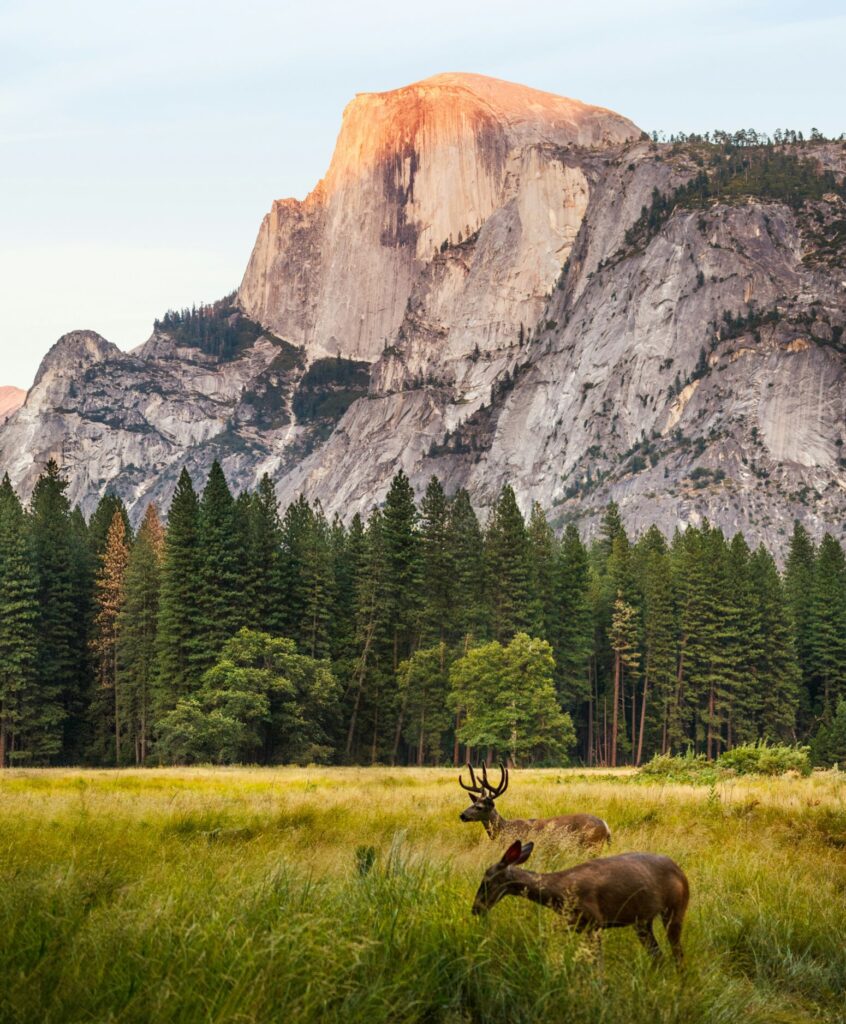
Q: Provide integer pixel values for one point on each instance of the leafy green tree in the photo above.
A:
(624, 638)
(19, 711)
(179, 631)
(508, 701)
(424, 685)
(136, 633)
(261, 702)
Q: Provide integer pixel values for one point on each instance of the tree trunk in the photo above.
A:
(710, 736)
(421, 745)
(456, 753)
(642, 720)
(361, 673)
(615, 708)
(117, 713)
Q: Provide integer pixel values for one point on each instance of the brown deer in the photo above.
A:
(585, 829)
(631, 889)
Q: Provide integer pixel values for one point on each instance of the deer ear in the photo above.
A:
(514, 852)
(525, 854)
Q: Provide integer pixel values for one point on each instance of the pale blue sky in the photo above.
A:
(141, 143)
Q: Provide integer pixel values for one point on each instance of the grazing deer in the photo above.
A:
(584, 828)
(612, 892)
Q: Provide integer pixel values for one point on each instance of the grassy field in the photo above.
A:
(234, 895)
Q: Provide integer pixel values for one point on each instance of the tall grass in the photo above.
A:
(250, 896)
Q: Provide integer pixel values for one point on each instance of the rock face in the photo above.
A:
(472, 292)
(11, 399)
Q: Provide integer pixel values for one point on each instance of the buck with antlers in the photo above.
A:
(585, 829)
(631, 889)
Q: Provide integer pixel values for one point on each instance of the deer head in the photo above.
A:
(482, 808)
(497, 879)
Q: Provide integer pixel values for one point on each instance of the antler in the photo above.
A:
(501, 787)
(475, 786)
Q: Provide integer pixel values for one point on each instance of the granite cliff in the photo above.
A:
(496, 284)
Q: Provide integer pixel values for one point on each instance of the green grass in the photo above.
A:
(235, 895)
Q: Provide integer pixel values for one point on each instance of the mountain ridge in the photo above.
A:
(656, 323)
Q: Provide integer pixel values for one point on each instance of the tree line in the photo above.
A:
(242, 632)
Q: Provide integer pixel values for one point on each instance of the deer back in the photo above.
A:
(618, 891)
(586, 829)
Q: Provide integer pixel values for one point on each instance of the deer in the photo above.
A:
(629, 890)
(586, 829)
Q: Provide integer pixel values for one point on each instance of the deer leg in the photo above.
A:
(643, 930)
(673, 927)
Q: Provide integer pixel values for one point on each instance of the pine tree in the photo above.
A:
(109, 598)
(318, 582)
(57, 629)
(136, 634)
(179, 628)
(507, 568)
(403, 564)
(572, 637)
(220, 560)
(659, 643)
(828, 637)
(543, 549)
(18, 617)
(465, 544)
(625, 645)
(101, 521)
(777, 677)
(438, 569)
(799, 590)
(263, 582)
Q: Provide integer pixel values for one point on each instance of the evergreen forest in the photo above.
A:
(240, 632)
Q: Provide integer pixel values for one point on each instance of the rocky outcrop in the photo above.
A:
(522, 289)
(11, 399)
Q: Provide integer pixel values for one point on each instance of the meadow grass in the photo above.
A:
(235, 895)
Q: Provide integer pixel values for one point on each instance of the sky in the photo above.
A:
(141, 144)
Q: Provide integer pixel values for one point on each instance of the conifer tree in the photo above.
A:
(828, 637)
(18, 616)
(403, 566)
(101, 521)
(57, 627)
(179, 629)
(799, 590)
(221, 610)
(437, 563)
(465, 544)
(136, 634)
(109, 598)
(659, 650)
(507, 568)
(318, 583)
(542, 560)
(776, 677)
(263, 560)
(625, 645)
(572, 638)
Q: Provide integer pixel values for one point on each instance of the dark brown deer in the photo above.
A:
(585, 829)
(631, 889)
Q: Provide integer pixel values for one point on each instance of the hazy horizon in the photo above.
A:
(140, 156)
